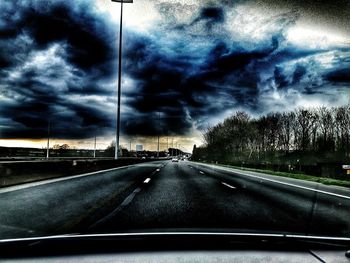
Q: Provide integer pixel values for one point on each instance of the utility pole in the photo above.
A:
(158, 134)
(158, 148)
(48, 140)
(95, 147)
(119, 74)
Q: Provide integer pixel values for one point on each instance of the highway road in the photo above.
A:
(173, 196)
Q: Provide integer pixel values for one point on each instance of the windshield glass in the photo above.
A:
(173, 115)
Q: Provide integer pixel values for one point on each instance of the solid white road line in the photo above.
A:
(278, 182)
(229, 186)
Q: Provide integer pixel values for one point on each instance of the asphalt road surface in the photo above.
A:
(162, 195)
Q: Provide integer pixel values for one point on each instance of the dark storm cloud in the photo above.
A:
(339, 75)
(298, 73)
(210, 15)
(204, 77)
(280, 78)
(160, 88)
(49, 52)
(184, 74)
(81, 31)
(167, 83)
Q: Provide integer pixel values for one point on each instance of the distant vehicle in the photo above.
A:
(175, 160)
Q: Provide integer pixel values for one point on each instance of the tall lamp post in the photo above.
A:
(119, 73)
(95, 147)
(48, 140)
(158, 135)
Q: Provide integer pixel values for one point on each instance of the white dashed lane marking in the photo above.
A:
(147, 180)
(261, 179)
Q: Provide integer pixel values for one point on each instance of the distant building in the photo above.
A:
(139, 147)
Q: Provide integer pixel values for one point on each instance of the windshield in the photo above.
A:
(171, 115)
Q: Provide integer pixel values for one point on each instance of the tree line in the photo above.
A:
(315, 132)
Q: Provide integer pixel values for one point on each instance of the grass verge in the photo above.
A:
(322, 180)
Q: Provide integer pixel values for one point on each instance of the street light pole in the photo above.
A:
(48, 140)
(95, 147)
(158, 135)
(119, 74)
(158, 148)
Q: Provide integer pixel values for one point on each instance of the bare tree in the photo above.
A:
(240, 137)
(325, 125)
(305, 120)
(342, 120)
(287, 121)
(273, 130)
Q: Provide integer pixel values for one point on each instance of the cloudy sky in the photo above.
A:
(186, 65)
